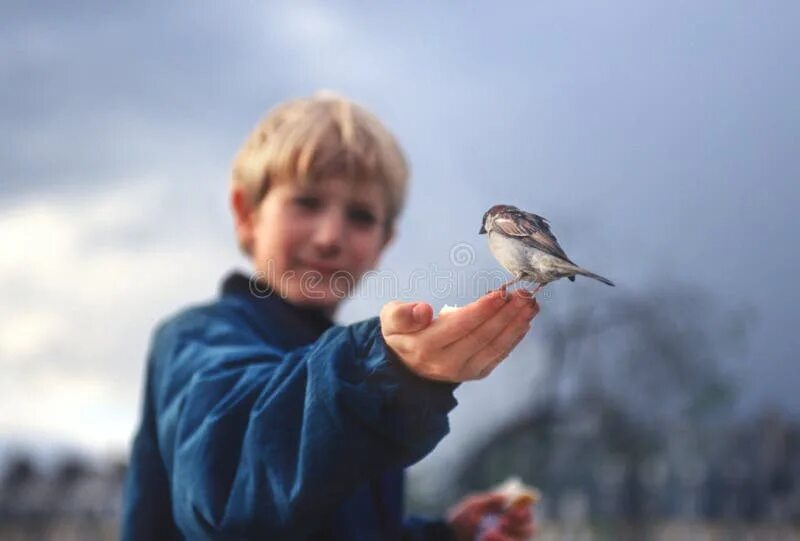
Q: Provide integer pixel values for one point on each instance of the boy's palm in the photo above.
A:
(462, 345)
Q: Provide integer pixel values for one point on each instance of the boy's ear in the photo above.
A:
(244, 215)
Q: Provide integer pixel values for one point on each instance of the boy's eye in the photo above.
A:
(308, 202)
(361, 216)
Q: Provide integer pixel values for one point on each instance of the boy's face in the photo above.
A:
(313, 243)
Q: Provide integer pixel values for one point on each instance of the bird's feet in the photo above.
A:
(503, 289)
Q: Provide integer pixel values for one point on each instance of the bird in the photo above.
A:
(523, 243)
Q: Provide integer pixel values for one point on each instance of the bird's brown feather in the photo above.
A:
(531, 229)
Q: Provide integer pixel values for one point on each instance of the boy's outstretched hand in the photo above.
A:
(466, 519)
(462, 345)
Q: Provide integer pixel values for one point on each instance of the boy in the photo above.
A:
(263, 420)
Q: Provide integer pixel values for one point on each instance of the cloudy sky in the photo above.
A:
(660, 138)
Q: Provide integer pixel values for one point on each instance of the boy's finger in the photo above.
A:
(519, 513)
(464, 320)
(465, 347)
(484, 361)
(516, 519)
(484, 502)
(494, 535)
(405, 317)
(489, 502)
(517, 531)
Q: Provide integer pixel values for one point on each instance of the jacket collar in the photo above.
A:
(303, 324)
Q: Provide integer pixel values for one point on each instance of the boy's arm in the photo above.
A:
(424, 529)
(257, 442)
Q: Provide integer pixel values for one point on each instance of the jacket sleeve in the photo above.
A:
(425, 529)
(263, 443)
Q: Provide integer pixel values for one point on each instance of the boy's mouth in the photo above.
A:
(321, 268)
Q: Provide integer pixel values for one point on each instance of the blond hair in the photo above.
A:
(325, 135)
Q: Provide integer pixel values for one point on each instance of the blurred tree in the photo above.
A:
(631, 384)
(70, 470)
(19, 470)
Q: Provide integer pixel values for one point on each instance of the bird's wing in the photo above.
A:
(531, 229)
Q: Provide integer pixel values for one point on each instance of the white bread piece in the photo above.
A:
(517, 493)
(446, 309)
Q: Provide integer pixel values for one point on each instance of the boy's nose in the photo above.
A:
(329, 233)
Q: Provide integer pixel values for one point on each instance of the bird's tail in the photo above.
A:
(584, 272)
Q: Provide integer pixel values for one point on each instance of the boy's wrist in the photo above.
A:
(404, 372)
(399, 384)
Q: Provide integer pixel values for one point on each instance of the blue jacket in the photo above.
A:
(262, 420)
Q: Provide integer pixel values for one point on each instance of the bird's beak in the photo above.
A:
(482, 231)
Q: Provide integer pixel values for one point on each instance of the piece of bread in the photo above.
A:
(517, 493)
(446, 309)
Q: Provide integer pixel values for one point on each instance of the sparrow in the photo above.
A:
(523, 243)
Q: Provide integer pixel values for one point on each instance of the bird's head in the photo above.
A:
(489, 216)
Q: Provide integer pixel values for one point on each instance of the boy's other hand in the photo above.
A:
(463, 345)
(484, 516)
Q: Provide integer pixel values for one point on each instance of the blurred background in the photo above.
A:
(659, 138)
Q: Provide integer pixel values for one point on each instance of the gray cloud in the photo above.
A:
(659, 138)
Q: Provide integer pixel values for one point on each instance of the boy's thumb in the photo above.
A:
(405, 317)
(491, 502)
